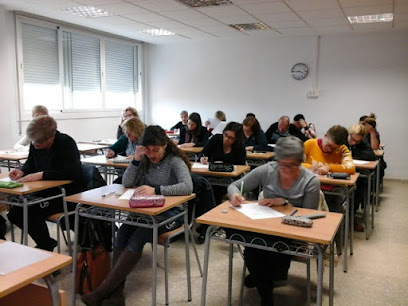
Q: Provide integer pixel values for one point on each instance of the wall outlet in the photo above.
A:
(313, 93)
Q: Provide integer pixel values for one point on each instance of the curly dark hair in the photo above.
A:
(338, 134)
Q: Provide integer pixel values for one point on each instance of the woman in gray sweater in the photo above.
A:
(159, 167)
(283, 181)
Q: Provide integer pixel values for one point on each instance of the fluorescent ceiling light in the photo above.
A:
(86, 11)
(204, 3)
(157, 32)
(249, 26)
(371, 18)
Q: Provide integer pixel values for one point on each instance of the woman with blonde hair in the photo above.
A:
(128, 113)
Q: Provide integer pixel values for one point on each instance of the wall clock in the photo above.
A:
(299, 71)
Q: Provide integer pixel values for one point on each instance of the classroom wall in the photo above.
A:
(355, 75)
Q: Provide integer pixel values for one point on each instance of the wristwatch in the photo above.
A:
(306, 127)
(286, 202)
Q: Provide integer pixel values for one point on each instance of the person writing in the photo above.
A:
(283, 128)
(255, 139)
(52, 156)
(283, 181)
(127, 143)
(159, 167)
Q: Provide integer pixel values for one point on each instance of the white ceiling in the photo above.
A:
(284, 17)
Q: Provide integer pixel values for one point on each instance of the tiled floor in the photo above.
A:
(377, 272)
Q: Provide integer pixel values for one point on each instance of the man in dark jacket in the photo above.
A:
(283, 128)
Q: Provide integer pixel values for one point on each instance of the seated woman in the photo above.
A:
(255, 139)
(159, 167)
(127, 113)
(53, 156)
(24, 143)
(283, 180)
(126, 144)
(220, 116)
(194, 134)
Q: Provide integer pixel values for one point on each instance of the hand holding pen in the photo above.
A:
(204, 160)
(237, 199)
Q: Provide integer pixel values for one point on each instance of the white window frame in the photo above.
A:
(139, 103)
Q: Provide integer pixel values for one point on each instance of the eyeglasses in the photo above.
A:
(229, 137)
(288, 166)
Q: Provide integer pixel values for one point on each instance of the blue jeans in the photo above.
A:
(134, 238)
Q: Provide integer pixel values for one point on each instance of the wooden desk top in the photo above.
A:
(13, 155)
(369, 165)
(94, 197)
(239, 169)
(26, 275)
(330, 181)
(192, 149)
(101, 160)
(379, 153)
(104, 142)
(31, 187)
(263, 155)
(84, 147)
(322, 231)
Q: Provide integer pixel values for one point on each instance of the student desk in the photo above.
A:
(368, 170)
(86, 148)
(320, 236)
(103, 142)
(256, 159)
(347, 190)
(380, 155)
(21, 197)
(110, 208)
(221, 178)
(107, 165)
(192, 152)
(11, 158)
(24, 276)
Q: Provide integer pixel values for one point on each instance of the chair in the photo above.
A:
(91, 178)
(166, 238)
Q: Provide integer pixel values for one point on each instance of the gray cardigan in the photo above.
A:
(304, 193)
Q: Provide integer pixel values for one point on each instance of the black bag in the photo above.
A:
(339, 175)
(93, 262)
(221, 167)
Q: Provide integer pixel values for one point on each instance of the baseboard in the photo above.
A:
(396, 180)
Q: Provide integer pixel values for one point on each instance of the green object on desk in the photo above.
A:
(10, 185)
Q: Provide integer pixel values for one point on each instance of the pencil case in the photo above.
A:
(297, 221)
(121, 161)
(139, 201)
(339, 175)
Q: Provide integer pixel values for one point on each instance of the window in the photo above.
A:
(74, 71)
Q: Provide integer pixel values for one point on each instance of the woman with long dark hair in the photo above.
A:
(194, 134)
(159, 167)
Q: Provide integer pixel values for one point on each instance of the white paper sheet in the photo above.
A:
(6, 179)
(128, 194)
(360, 162)
(219, 128)
(199, 166)
(255, 211)
(213, 122)
(15, 256)
(271, 145)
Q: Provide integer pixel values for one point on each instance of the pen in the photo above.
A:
(294, 212)
(106, 194)
(242, 188)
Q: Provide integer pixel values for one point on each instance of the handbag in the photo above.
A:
(221, 167)
(93, 262)
(139, 201)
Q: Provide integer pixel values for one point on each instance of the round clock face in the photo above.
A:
(299, 71)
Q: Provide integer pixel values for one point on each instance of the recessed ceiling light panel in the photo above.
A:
(371, 18)
(157, 32)
(86, 11)
(249, 26)
(203, 3)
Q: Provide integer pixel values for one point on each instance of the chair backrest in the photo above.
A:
(91, 177)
